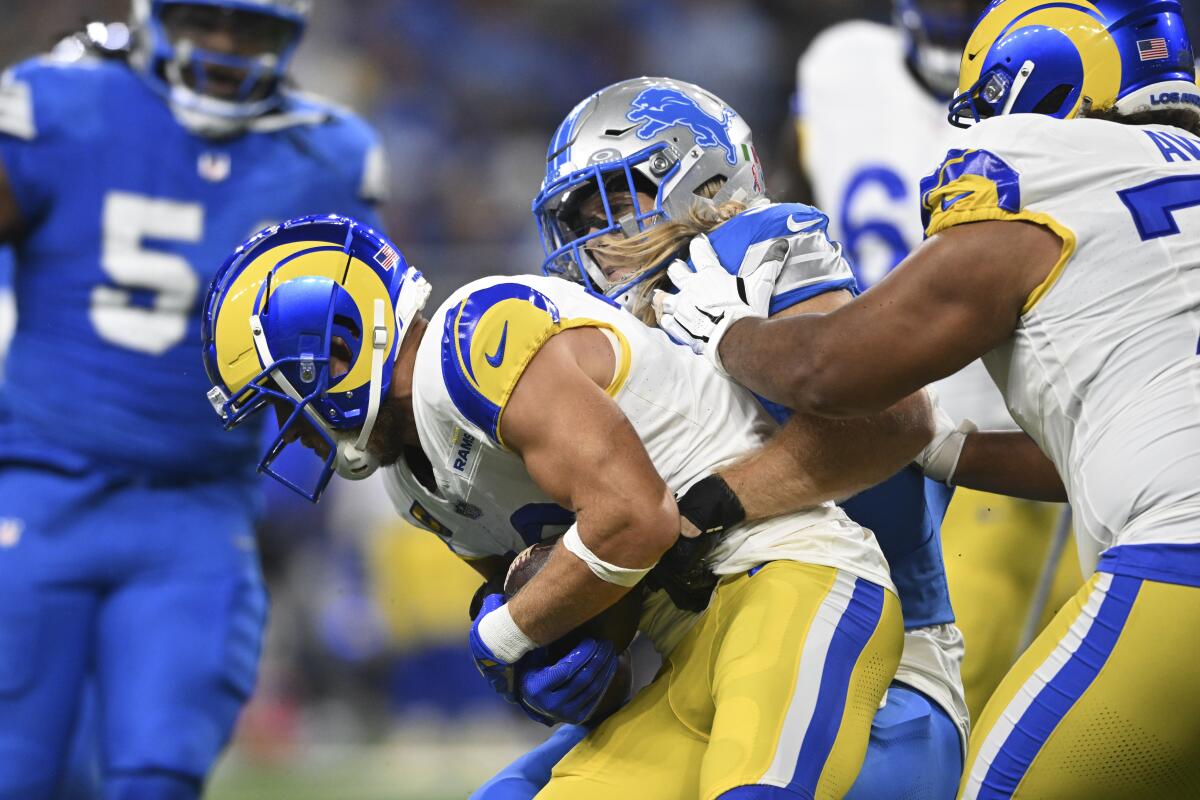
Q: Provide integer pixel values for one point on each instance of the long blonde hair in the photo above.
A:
(653, 246)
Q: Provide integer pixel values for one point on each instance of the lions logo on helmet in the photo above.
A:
(272, 315)
(1061, 59)
(681, 137)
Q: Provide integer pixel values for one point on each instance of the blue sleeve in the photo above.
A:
(31, 95)
(529, 774)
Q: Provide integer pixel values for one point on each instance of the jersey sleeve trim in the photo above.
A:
(978, 186)
(793, 297)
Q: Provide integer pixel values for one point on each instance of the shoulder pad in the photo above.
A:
(46, 93)
(814, 264)
(490, 336)
(763, 223)
(345, 137)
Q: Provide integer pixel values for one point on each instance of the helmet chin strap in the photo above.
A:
(353, 461)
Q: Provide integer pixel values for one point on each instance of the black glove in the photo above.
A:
(712, 507)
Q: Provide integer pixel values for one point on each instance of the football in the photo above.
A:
(618, 624)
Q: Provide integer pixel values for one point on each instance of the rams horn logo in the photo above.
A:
(658, 109)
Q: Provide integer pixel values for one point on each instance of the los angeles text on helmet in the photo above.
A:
(1175, 99)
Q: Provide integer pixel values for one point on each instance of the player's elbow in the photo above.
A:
(812, 380)
(646, 527)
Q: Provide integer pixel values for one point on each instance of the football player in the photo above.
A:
(1064, 250)
(868, 184)
(618, 201)
(528, 406)
(127, 547)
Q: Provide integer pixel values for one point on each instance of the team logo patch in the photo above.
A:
(658, 109)
(10, 532)
(214, 167)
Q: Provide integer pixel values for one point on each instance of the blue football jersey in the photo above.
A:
(127, 217)
(905, 512)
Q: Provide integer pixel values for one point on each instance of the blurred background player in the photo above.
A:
(129, 169)
(996, 548)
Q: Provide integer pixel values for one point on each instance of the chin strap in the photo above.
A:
(353, 460)
(1018, 84)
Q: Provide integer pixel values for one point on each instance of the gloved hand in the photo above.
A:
(498, 645)
(570, 689)
(710, 299)
(940, 457)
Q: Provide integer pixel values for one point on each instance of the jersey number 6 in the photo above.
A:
(166, 280)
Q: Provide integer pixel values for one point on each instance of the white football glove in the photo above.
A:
(940, 457)
(710, 299)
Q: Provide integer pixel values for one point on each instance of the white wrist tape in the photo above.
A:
(500, 633)
(610, 573)
(939, 460)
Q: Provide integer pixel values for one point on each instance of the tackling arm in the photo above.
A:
(813, 459)
(955, 298)
(583, 452)
(1008, 463)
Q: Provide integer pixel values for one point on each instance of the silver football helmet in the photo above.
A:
(662, 137)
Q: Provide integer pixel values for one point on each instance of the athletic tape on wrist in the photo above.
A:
(610, 573)
(500, 633)
(959, 438)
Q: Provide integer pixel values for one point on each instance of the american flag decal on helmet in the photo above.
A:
(1153, 49)
(387, 257)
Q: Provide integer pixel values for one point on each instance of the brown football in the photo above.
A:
(618, 624)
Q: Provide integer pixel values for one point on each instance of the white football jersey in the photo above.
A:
(690, 419)
(1103, 370)
(869, 133)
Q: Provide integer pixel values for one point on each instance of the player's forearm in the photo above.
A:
(1009, 464)
(563, 596)
(610, 556)
(813, 459)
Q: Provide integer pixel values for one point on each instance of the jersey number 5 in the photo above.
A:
(147, 309)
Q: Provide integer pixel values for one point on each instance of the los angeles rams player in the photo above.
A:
(1064, 249)
(526, 406)
(126, 539)
(617, 202)
(869, 185)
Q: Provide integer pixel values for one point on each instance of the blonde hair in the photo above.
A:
(653, 246)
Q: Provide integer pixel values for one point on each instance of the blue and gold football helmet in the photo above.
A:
(271, 319)
(1064, 58)
(181, 70)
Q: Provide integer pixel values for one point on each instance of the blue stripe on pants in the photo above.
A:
(854, 630)
(1058, 696)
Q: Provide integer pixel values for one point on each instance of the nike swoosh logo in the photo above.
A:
(973, 56)
(952, 200)
(497, 358)
(799, 227)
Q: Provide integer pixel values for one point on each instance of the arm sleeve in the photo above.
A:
(27, 136)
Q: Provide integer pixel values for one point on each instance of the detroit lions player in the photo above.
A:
(525, 406)
(617, 203)
(127, 549)
(869, 185)
(1065, 249)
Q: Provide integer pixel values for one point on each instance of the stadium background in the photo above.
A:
(365, 691)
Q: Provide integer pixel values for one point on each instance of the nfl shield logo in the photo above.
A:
(214, 167)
